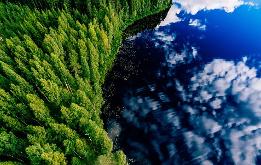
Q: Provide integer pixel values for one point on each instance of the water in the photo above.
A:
(189, 91)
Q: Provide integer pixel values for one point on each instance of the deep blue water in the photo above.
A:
(190, 90)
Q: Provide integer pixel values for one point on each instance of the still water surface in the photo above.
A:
(189, 91)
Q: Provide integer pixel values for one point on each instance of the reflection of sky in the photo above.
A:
(237, 121)
(194, 6)
(203, 107)
(216, 118)
(216, 31)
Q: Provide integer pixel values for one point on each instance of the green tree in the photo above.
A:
(16, 78)
(36, 134)
(84, 59)
(45, 154)
(11, 146)
(101, 143)
(39, 109)
(51, 91)
(54, 56)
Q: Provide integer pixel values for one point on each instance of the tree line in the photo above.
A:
(54, 56)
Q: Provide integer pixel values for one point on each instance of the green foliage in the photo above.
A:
(10, 163)
(118, 158)
(45, 154)
(11, 146)
(54, 56)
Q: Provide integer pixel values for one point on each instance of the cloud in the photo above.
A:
(197, 23)
(221, 77)
(171, 16)
(194, 143)
(238, 119)
(211, 126)
(194, 6)
(217, 115)
(132, 38)
(243, 148)
(207, 162)
(216, 119)
(216, 104)
(166, 41)
(113, 129)
(160, 35)
(163, 40)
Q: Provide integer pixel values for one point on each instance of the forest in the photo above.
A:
(54, 56)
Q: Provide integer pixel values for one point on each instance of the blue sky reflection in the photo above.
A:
(196, 98)
(224, 98)
(194, 6)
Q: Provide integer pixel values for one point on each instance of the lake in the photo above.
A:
(189, 90)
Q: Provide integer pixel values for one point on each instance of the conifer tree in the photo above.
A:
(54, 56)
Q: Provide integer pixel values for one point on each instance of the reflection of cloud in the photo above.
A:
(164, 37)
(113, 129)
(237, 86)
(244, 147)
(186, 56)
(220, 76)
(210, 125)
(255, 3)
(131, 38)
(217, 118)
(216, 104)
(142, 106)
(193, 6)
(166, 41)
(217, 115)
(175, 58)
(197, 24)
(194, 143)
(171, 16)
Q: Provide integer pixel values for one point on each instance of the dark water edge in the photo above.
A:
(124, 63)
(147, 23)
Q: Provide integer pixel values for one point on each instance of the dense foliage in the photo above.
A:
(54, 56)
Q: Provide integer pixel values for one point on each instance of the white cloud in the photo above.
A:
(175, 58)
(194, 51)
(164, 37)
(218, 116)
(220, 76)
(210, 125)
(166, 41)
(243, 148)
(190, 110)
(131, 38)
(197, 23)
(221, 85)
(113, 129)
(194, 6)
(239, 119)
(255, 84)
(216, 104)
(205, 96)
(211, 116)
(207, 162)
(171, 16)
(196, 146)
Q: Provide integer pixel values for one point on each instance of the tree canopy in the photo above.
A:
(54, 56)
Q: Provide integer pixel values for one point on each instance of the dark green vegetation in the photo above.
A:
(54, 56)
(125, 65)
(147, 23)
